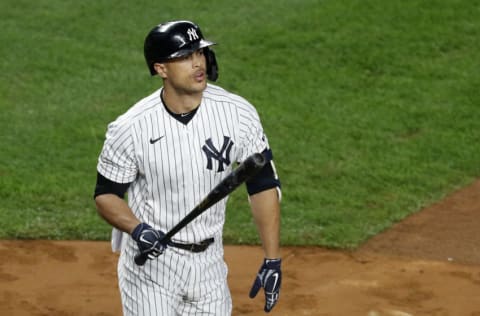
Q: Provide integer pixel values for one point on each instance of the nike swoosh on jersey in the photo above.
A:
(153, 141)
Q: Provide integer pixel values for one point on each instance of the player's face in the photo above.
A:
(187, 74)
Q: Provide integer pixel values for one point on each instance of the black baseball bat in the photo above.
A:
(246, 170)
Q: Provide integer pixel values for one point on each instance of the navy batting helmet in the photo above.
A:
(177, 39)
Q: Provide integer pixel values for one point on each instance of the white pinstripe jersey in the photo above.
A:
(173, 166)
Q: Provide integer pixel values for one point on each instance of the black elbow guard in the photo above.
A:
(266, 178)
(106, 186)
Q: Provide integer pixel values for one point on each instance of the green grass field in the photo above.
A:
(370, 106)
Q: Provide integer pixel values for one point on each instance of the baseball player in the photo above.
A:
(167, 152)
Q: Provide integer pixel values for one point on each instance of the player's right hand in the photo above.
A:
(149, 240)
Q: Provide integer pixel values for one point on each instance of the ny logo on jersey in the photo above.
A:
(192, 34)
(222, 155)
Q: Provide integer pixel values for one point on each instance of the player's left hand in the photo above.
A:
(270, 278)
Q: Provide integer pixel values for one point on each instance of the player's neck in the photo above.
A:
(181, 103)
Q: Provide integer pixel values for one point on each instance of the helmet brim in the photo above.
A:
(192, 47)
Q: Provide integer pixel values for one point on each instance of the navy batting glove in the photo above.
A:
(270, 278)
(149, 240)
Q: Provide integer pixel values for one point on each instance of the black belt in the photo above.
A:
(202, 246)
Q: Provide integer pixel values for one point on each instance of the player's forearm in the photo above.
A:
(266, 213)
(116, 212)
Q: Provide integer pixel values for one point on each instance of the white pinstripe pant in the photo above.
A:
(178, 282)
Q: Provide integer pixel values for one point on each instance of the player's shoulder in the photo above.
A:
(139, 110)
(219, 94)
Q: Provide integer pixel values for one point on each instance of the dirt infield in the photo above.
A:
(429, 264)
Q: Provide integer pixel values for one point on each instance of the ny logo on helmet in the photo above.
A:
(192, 34)
(222, 155)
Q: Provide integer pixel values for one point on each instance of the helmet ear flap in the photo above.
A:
(153, 72)
(212, 66)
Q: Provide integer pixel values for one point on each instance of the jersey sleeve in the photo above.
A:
(253, 139)
(117, 159)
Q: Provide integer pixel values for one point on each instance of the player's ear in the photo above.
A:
(160, 69)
